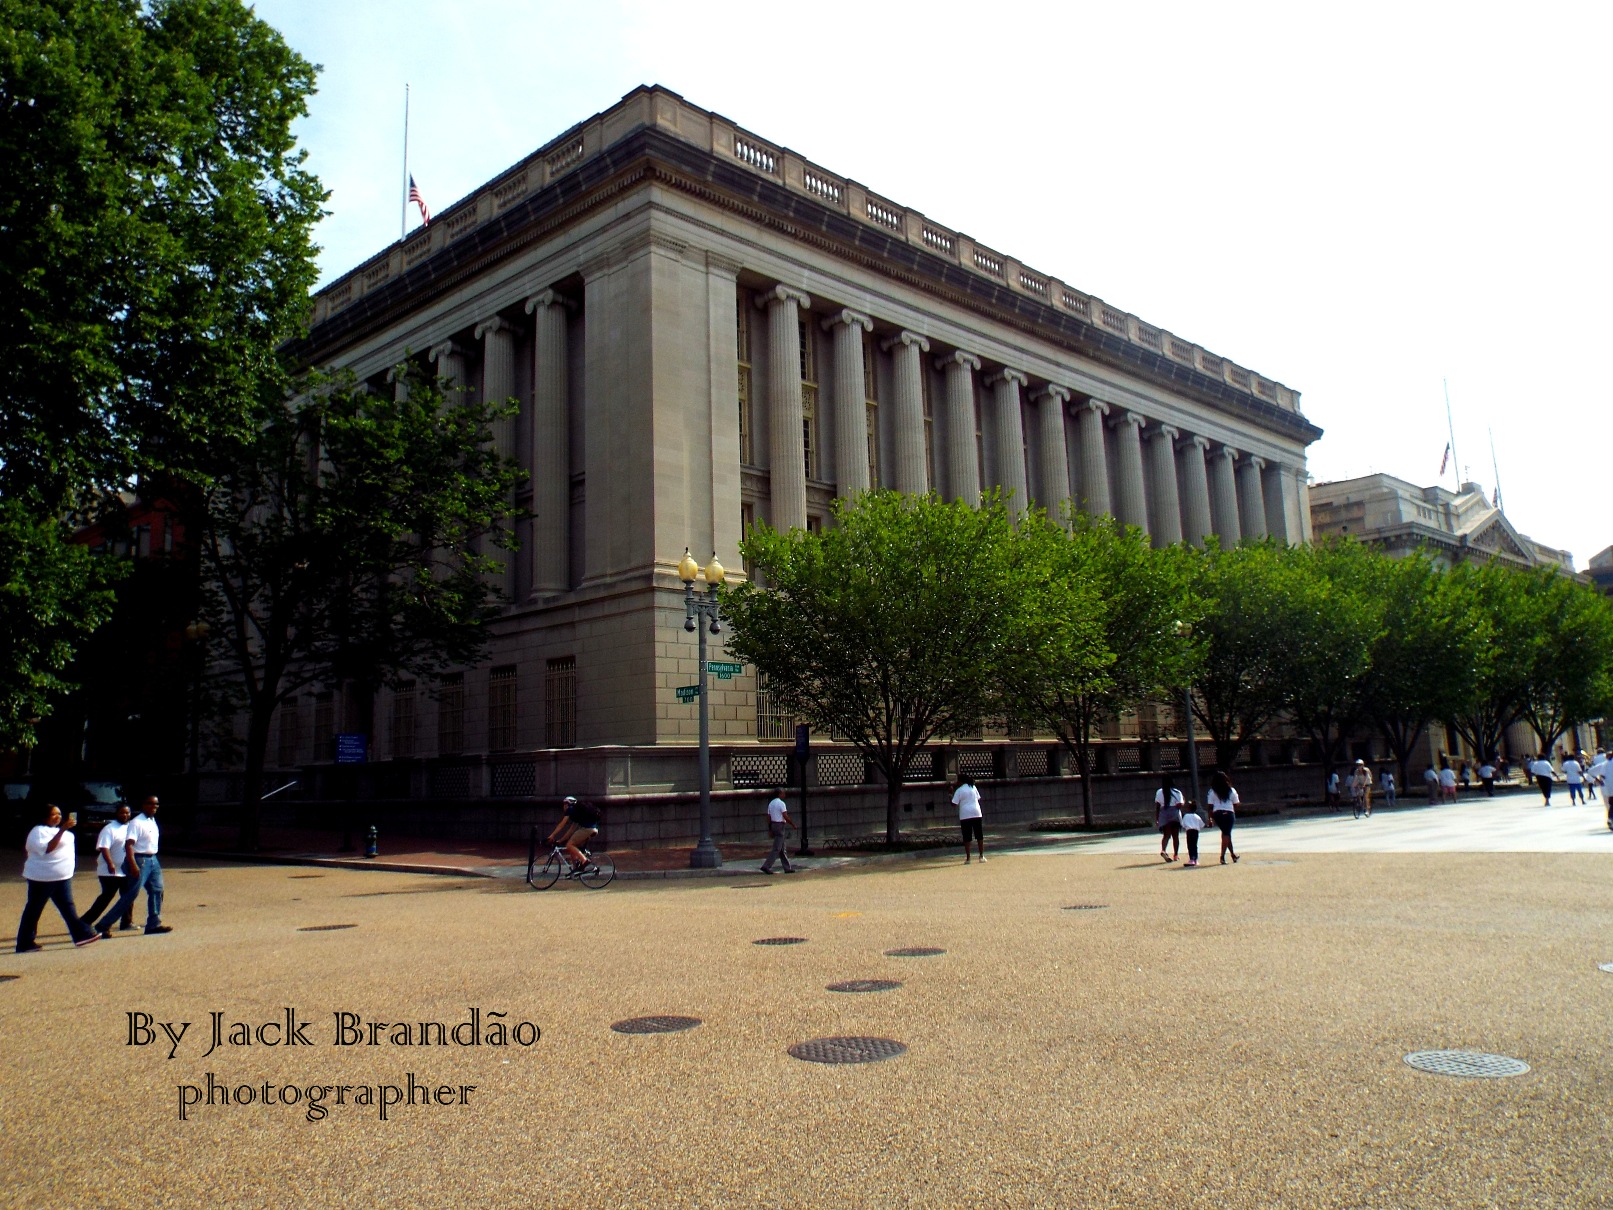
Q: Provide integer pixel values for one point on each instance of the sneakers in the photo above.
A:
(1190, 865)
(982, 861)
(1223, 859)
(161, 928)
(767, 871)
(791, 869)
(29, 949)
(1234, 859)
(90, 940)
(106, 934)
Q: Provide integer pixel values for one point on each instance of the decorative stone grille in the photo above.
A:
(1034, 762)
(978, 763)
(450, 781)
(841, 769)
(753, 770)
(515, 779)
(1128, 758)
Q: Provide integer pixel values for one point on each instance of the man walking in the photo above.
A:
(109, 866)
(1540, 770)
(143, 870)
(778, 826)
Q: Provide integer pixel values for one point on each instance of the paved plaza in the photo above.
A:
(1223, 1037)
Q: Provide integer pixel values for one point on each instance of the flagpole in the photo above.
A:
(403, 210)
(1496, 467)
(1452, 427)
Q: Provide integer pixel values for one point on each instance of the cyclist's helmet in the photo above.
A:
(570, 801)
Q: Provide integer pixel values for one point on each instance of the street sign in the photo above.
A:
(723, 670)
(688, 693)
(352, 749)
(803, 741)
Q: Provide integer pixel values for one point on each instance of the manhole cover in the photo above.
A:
(865, 985)
(915, 951)
(1471, 1063)
(1606, 966)
(780, 941)
(655, 1025)
(325, 928)
(847, 1050)
(1086, 907)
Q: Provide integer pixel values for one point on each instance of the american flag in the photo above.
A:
(1444, 458)
(414, 196)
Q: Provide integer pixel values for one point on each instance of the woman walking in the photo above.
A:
(1223, 803)
(1168, 802)
(49, 873)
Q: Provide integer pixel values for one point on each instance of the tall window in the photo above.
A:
(771, 722)
(871, 404)
(560, 703)
(324, 725)
(451, 714)
(403, 730)
(809, 395)
(501, 709)
(742, 310)
(290, 727)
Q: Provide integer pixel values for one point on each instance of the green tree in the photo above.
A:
(53, 592)
(1254, 598)
(888, 627)
(1425, 662)
(1511, 622)
(1105, 629)
(340, 543)
(1572, 674)
(157, 224)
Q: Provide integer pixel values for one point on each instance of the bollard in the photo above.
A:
(371, 842)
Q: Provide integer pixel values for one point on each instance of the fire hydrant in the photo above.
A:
(371, 842)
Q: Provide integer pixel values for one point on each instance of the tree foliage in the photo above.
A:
(340, 545)
(889, 627)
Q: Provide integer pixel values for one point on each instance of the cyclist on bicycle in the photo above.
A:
(1361, 789)
(579, 823)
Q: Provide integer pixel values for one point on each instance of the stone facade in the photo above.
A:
(704, 330)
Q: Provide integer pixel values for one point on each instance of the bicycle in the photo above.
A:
(597, 872)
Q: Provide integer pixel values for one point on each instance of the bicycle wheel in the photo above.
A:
(602, 876)
(547, 874)
(1357, 805)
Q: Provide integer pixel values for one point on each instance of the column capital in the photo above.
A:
(1006, 374)
(1166, 431)
(1051, 390)
(959, 358)
(1227, 452)
(1203, 443)
(906, 338)
(548, 298)
(1255, 461)
(496, 324)
(1136, 419)
(848, 317)
(718, 263)
(780, 294)
(448, 348)
(1093, 405)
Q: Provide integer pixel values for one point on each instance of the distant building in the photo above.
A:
(1601, 571)
(1452, 527)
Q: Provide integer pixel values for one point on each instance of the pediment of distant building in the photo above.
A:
(1496, 537)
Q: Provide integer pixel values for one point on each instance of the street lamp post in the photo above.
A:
(697, 608)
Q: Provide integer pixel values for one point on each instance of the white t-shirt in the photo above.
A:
(1540, 768)
(1486, 772)
(1192, 822)
(1177, 798)
(775, 810)
(1572, 771)
(1431, 774)
(113, 838)
(1447, 777)
(48, 867)
(1598, 771)
(1333, 782)
(967, 799)
(143, 835)
(1387, 780)
(1217, 804)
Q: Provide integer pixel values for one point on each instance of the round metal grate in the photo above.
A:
(325, 928)
(1472, 1064)
(915, 951)
(865, 985)
(1606, 966)
(1086, 907)
(780, 941)
(655, 1025)
(847, 1050)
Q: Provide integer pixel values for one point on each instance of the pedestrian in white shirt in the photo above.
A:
(1574, 775)
(778, 826)
(145, 872)
(1487, 778)
(1168, 803)
(111, 866)
(1447, 780)
(49, 874)
(1431, 781)
(967, 799)
(1386, 785)
(1540, 770)
(1222, 800)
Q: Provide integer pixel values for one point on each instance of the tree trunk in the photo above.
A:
(893, 807)
(257, 745)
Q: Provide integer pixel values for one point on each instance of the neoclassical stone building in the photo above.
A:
(704, 330)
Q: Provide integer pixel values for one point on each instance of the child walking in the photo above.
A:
(1192, 825)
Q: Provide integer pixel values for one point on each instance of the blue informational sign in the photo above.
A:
(803, 742)
(352, 749)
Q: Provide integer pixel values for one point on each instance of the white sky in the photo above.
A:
(1357, 200)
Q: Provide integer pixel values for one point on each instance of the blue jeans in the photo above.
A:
(39, 894)
(149, 877)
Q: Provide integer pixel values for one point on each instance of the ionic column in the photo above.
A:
(850, 402)
(1052, 459)
(1251, 502)
(1302, 503)
(1167, 501)
(549, 446)
(1009, 438)
(1224, 497)
(786, 454)
(1131, 504)
(1196, 488)
(907, 411)
(449, 361)
(498, 377)
(1089, 421)
(958, 404)
(1272, 492)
